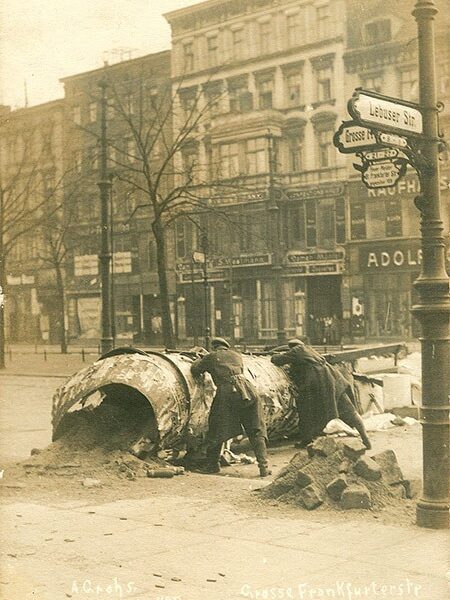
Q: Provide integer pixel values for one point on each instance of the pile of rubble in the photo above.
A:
(337, 472)
(99, 444)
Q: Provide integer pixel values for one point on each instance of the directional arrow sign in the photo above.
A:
(351, 137)
(383, 173)
(385, 114)
(391, 139)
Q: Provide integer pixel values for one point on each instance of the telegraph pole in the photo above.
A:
(274, 237)
(433, 308)
(106, 342)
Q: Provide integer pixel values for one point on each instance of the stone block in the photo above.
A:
(310, 497)
(336, 487)
(390, 469)
(324, 446)
(366, 467)
(303, 479)
(398, 490)
(413, 487)
(344, 466)
(91, 483)
(353, 448)
(356, 496)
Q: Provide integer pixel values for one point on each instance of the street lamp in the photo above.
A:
(433, 308)
(204, 246)
(106, 341)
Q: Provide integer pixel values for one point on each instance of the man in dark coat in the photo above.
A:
(236, 404)
(324, 393)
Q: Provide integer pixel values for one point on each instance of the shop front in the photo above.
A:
(381, 288)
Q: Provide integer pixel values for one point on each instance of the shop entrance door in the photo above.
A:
(324, 309)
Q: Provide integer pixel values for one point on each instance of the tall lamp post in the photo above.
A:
(106, 341)
(274, 236)
(433, 307)
(204, 248)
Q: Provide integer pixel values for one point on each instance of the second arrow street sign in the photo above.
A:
(386, 114)
(351, 138)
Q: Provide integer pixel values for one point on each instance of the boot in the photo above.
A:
(259, 448)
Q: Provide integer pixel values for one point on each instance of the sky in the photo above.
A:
(44, 40)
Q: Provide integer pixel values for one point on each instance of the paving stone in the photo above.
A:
(336, 487)
(353, 448)
(398, 490)
(356, 496)
(367, 468)
(324, 446)
(345, 466)
(303, 479)
(390, 469)
(413, 487)
(310, 497)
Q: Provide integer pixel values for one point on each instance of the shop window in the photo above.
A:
(184, 238)
(340, 220)
(326, 222)
(296, 224)
(393, 212)
(358, 219)
(268, 310)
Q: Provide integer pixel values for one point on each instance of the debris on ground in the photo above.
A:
(99, 444)
(338, 473)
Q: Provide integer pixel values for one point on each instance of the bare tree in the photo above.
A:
(23, 175)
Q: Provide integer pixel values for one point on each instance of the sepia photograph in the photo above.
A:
(224, 261)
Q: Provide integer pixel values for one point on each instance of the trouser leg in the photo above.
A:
(213, 451)
(258, 443)
(355, 421)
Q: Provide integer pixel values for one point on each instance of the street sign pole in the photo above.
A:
(433, 307)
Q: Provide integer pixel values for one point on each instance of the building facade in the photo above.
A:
(31, 179)
(272, 77)
(131, 86)
(383, 249)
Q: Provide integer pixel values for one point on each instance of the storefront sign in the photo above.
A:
(302, 257)
(85, 264)
(20, 279)
(317, 191)
(198, 276)
(244, 260)
(393, 256)
(122, 262)
(385, 114)
(317, 269)
(237, 199)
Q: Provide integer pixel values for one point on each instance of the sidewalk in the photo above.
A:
(176, 544)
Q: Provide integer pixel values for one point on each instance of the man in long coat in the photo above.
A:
(324, 393)
(236, 405)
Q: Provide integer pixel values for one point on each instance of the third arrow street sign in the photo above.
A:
(383, 113)
(382, 173)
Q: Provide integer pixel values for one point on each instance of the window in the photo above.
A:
(357, 219)
(110, 110)
(296, 223)
(130, 105)
(188, 100)
(93, 158)
(393, 218)
(229, 160)
(340, 221)
(326, 149)
(92, 112)
(372, 82)
(378, 31)
(212, 97)
(130, 150)
(78, 161)
(241, 100)
(324, 83)
(323, 21)
(212, 48)
(293, 88)
(256, 156)
(295, 153)
(238, 43)
(409, 87)
(190, 162)
(265, 37)
(184, 237)
(311, 224)
(76, 115)
(188, 56)
(295, 29)
(265, 91)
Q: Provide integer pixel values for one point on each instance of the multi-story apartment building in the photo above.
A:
(131, 85)
(383, 250)
(272, 77)
(31, 177)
